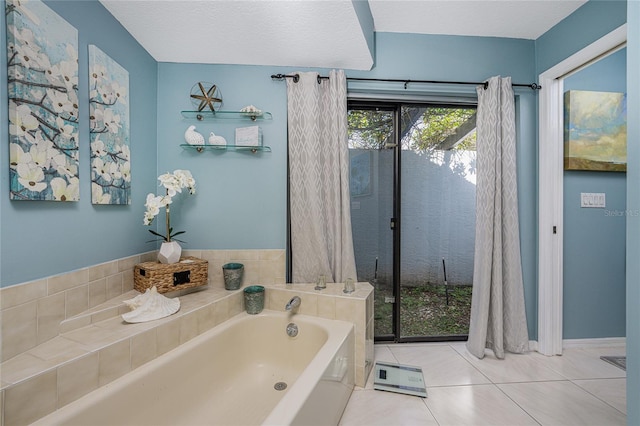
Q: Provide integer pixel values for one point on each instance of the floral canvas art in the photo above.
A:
(42, 71)
(595, 131)
(109, 130)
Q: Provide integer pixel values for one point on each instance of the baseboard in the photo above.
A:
(586, 343)
(590, 343)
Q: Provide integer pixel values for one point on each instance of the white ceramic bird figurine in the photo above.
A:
(216, 140)
(192, 137)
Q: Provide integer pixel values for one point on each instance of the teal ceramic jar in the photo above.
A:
(232, 273)
(254, 299)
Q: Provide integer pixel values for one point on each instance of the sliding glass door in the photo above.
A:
(437, 157)
(413, 215)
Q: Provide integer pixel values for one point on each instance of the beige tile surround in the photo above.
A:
(332, 303)
(32, 313)
(95, 342)
(76, 362)
(35, 312)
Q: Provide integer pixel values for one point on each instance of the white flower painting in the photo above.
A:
(42, 65)
(109, 130)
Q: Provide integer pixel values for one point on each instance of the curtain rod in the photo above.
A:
(296, 78)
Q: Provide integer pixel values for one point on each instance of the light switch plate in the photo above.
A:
(593, 199)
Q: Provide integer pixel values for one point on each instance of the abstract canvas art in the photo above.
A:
(595, 131)
(109, 130)
(42, 71)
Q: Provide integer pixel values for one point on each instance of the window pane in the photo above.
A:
(370, 128)
(438, 161)
(371, 183)
(438, 128)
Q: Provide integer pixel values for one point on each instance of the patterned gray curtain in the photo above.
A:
(498, 319)
(321, 239)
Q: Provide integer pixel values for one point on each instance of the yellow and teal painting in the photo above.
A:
(595, 131)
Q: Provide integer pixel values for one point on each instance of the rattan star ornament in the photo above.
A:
(207, 97)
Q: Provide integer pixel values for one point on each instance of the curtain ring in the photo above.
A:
(319, 79)
(406, 83)
(296, 78)
(485, 85)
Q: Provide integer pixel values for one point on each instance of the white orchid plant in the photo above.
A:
(173, 183)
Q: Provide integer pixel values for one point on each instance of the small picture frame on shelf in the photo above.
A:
(249, 136)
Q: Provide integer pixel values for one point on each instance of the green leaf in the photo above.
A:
(157, 239)
(157, 234)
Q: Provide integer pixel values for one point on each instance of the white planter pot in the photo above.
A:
(169, 252)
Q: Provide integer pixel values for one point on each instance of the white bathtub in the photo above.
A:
(226, 376)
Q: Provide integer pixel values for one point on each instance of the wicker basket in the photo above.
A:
(189, 272)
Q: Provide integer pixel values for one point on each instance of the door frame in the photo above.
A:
(550, 187)
(395, 106)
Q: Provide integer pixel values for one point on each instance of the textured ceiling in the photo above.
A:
(527, 19)
(317, 33)
(297, 33)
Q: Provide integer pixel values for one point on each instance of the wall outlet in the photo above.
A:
(593, 199)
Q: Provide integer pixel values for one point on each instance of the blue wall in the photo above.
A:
(633, 221)
(586, 25)
(46, 238)
(241, 197)
(595, 239)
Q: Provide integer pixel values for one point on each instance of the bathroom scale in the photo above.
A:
(399, 378)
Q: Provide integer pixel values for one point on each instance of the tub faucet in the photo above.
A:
(293, 304)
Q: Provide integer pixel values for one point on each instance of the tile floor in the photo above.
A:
(576, 388)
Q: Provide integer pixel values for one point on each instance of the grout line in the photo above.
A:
(471, 364)
(424, 401)
(465, 385)
(518, 405)
(596, 396)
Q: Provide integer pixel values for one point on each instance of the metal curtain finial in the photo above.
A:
(532, 86)
(295, 77)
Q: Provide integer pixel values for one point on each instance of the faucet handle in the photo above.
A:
(293, 304)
